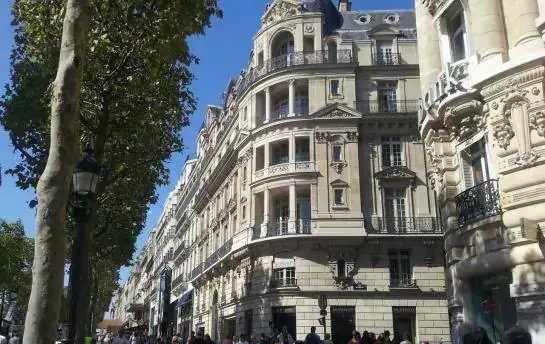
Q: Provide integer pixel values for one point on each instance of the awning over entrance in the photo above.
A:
(185, 298)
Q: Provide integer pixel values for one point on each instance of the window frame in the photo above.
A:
(391, 142)
(285, 278)
(398, 256)
(334, 147)
(342, 191)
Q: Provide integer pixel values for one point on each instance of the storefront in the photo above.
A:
(492, 305)
(184, 309)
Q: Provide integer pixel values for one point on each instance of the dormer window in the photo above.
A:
(391, 18)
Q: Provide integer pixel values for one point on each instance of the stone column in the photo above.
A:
(266, 209)
(520, 19)
(429, 53)
(292, 228)
(291, 150)
(267, 105)
(488, 29)
(540, 21)
(266, 150)
(291, 100)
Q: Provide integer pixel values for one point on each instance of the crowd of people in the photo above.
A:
(516, 335)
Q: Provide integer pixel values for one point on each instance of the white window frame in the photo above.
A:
(341, 152)
(398, 256)
(466, 162)
(446, 42)
(343, 196)
(287, 273)
(392, 143)
(330, 90)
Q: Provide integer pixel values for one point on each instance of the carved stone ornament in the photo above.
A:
(309, 28)
(352, 136)
(338, 166)
(279, 11)
(537, 122)
(434, 5)
(343, 282)
(502, 133)
(465, 119)
(245, 157)
(322, 137)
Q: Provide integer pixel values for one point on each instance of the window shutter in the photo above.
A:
(468, 174)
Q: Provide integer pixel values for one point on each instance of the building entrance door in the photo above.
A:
(342, 324)
(229, 327)
(285, 316)
(404, 321)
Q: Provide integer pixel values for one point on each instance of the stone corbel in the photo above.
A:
(537, 122)
(465, 119)
(338, 166)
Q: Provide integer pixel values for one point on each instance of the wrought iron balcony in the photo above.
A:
(480, 202)
(196, 271)
(403, 283)
(388, 106)
(292, 60)
(179, 250)
(283, 283)
(218, 254)
(402, 225)
(281, 228)
(387, 59)
(180, 279)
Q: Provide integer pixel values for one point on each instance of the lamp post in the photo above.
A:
(85, 181)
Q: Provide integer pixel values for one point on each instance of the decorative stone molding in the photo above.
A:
(322, 137)
(537, 119)
(352, 136)
(309, 28)
(279, 11)
(434, 5)
(502, 133)
(338, 166)
(465, 119)
(245, 157)
(513, 82)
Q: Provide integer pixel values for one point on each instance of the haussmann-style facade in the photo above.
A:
(482, 66)
(310, 179)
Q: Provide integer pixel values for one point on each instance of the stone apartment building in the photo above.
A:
(482, 65)
(309, 182)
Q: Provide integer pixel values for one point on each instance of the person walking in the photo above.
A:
(517, 335)
(406, 338)
(284, 337)
(14, 339)
(312, 337)
(327, 339)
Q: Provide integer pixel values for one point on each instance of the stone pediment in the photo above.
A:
(396, 173)
(337, 111)
(339, 183)
(279, 10)
(242, 136)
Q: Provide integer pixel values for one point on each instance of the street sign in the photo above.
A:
(322, 301)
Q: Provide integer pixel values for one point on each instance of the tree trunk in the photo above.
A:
(53, 189)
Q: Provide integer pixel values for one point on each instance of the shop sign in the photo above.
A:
(359, 286)
(403, 310)
(283, 310)
(347, 309)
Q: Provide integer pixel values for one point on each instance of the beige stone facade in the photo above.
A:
(310, 179)
(482, 65)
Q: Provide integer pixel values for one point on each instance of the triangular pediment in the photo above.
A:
(337, 110)
(396, 172)
(339, 183)
(281, 9)
(241, 138)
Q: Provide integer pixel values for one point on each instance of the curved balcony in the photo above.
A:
(283, 228)
(478, 203)
(293, 60)
(286, 168)
(402, 225)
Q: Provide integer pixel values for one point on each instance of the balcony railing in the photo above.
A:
(196, 271)
(218, 254)
(387, 106)
(387, 59)
(179, 250)
(283, 283)
(179, 280)
(280, 228)
(403, 283)
(480, 202)
(279, 169)
(293, 60)
(402, 225)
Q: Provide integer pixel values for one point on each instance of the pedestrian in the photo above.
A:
(386, 338)
(366, 338)
(312, 337)
(481, 337)
(327, 339)
(242, 339)
(133, 339)
(284, 337)
(14, 339)
(406, 338)
(355, 338)
(208, 340)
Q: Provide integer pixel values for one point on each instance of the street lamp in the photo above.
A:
(85, 181)
(85, 178)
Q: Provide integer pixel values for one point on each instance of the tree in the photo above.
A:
(16, 251)
(54, 183)
(135, 101)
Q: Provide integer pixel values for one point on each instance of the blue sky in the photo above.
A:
(223, 52)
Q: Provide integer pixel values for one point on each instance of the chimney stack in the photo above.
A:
(345, 5)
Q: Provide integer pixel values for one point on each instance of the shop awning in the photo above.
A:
(185, 298)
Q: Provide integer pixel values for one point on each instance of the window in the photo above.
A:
(284, 278)
(244, 212)
(392, 152)
(302, 145)
(245, 114)
(385, 55)
(334, 89)
(337, 153)
(332, 52)
(301, 104)
(341, 268)
(339, 196)
(475, 164)
(387, 96)
(395, 210)
(217, 240)
(456, 32)
(282, 107)
(400, 269)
